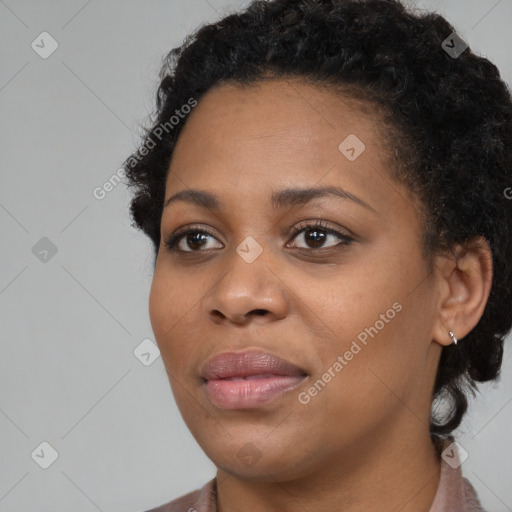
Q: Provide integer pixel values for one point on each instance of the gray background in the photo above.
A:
(69, 326)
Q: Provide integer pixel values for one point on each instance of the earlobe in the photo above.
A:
(465, 280)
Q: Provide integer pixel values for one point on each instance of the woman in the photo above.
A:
(325, 186)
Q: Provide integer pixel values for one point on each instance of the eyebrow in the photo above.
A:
(280, 199)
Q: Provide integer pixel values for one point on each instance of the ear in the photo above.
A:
(464, 282)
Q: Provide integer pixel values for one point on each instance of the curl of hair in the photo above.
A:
(449, 123)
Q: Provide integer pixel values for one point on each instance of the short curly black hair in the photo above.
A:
(449, 120)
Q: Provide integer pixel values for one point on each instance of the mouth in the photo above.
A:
(246, 380)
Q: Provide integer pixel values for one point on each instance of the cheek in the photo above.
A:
(348, 302)
(169, 304)
(382, 361)
(367, 313)
(173, 294)
(160, 305)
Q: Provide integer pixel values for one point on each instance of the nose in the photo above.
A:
(247, 292)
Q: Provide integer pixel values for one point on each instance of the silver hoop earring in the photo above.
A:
(452, 336)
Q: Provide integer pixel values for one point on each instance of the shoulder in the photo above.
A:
(200, 500)
(182, 504)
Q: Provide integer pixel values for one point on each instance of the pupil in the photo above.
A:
(195, 238)
(316, 242)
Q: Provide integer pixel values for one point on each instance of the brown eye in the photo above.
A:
(190, 240)
(317, 235)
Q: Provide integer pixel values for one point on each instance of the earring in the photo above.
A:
(452, 336)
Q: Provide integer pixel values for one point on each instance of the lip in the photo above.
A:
(250, 379)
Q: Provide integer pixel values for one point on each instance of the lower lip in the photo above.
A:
(251, 392)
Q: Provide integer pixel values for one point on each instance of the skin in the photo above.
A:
(362, 443)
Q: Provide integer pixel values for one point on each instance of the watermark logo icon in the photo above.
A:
(249, 249)
(44, 250)
(146, 352)
(352, 147)
(249, 454)
(44, 455)
(454, 45)
(454, 455)
(44, 45)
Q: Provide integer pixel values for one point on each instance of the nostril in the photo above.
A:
(260, 311)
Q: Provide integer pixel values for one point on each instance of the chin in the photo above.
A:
(259, 458)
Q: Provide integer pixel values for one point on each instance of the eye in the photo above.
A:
(193, 238)
(316, 234)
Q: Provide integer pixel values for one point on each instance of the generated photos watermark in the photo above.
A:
(161, 130)
(304, 397)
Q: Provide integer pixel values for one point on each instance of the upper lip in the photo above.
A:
(243, 364)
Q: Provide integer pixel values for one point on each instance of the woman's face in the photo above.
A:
(349, 304)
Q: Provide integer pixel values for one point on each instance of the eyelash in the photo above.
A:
(174, 239)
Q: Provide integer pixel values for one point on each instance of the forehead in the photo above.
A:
(243, 142)
(266, 125)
